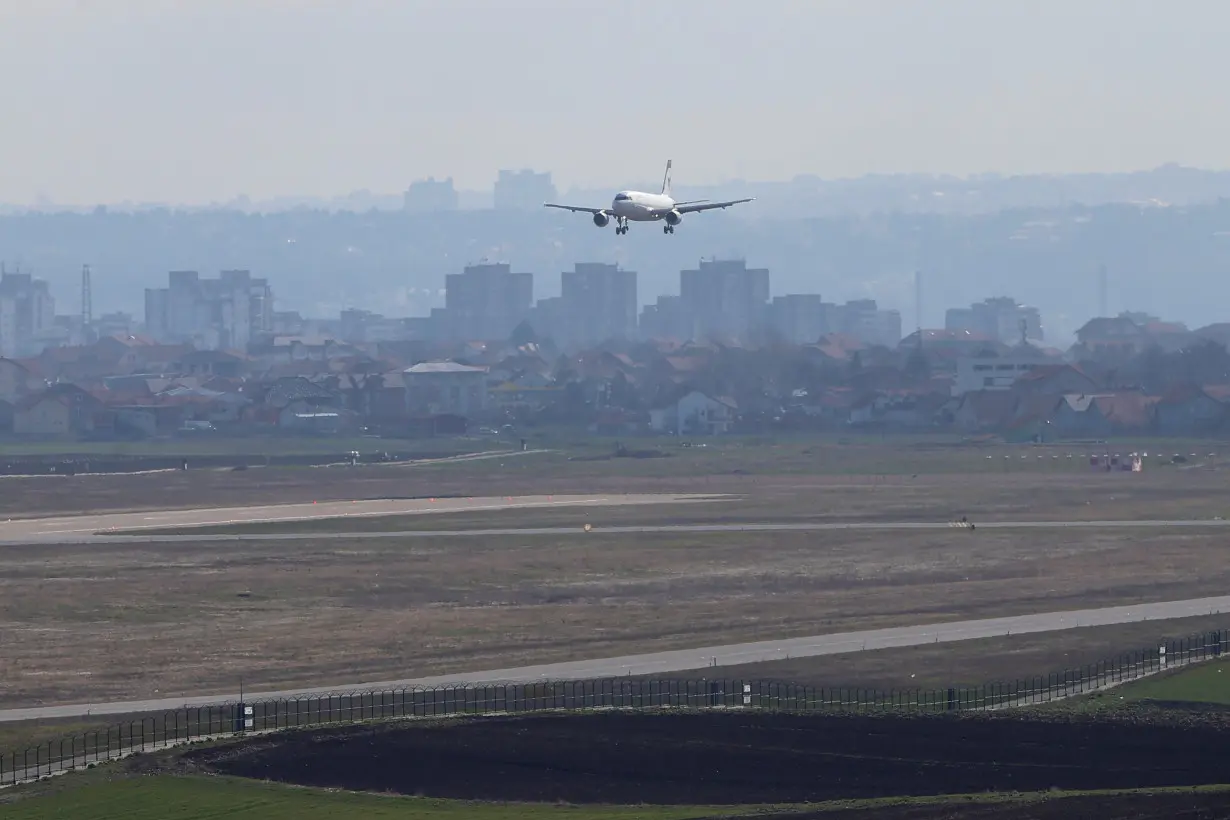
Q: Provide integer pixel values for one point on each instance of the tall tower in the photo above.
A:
(1103, 309)
(87, 298)
(918, 302)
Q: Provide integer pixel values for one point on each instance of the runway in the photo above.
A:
(705, 660)
(71, 529)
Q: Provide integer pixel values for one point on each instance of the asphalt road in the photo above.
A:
(691, 660)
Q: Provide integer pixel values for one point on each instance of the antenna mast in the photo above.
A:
(918, 302)
(1103, 307)
(87, 298)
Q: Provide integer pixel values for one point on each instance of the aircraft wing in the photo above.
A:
(575, 208)
(708, 206)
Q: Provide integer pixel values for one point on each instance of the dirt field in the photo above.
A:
(85, 622)
(734, 758)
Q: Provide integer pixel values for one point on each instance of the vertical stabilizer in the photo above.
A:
(666, 180)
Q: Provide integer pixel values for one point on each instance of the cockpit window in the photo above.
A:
(622, 197)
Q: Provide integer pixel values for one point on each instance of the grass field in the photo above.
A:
(1207, 683)
(97, 796)
(202, 797)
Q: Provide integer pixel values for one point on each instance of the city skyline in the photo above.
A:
(136, 104)
(719, 298)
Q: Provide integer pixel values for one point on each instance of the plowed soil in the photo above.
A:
(735, 758)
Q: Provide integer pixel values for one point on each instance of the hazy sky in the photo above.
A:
(199, 100)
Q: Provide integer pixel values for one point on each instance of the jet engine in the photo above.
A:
(673, 218)
(601, 219)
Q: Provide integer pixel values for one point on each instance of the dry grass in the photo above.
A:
(819, 468)
(128, 621)
(963, 663)
(159, 620)
(825, 498)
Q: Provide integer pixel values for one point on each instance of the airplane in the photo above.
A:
(638, 206)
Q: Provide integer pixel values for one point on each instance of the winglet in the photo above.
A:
(666, 180)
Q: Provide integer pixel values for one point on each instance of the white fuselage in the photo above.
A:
(638, 206)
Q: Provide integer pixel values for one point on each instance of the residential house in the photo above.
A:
(836, 349)
(980, 411)
(1193, 409)
(694, 414)
(1056, 380)
(16, 381)
(448, 387)
(62, 410)
(904, 409)
(1101, 415)
(208, 363)
(944, 347)
(827, 406)
(1118, 336)
(1218, 332)
(270, 401)
(527, 391)
(1169, 336)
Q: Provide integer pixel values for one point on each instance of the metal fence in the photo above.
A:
(186, 725)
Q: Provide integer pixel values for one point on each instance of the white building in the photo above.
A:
(994, 372)
(694, 414)
(446, 388)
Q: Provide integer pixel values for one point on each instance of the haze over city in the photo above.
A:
(190, 102)
(614, 408)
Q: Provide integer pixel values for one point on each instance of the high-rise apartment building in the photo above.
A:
(522, 190)
(485, 301)
(428, 195)
(725, 298)
(213, 314)
(797, 318)
(1000, 317)
(598, 303)
(27, 314)
(869, 323)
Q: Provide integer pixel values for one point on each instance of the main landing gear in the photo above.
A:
(668, 229)
(621, 224)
